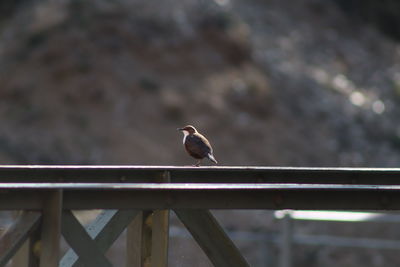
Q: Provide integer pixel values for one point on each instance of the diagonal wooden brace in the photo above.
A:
(205, 229)
(17, 234)
(80, 241)
(105, 229)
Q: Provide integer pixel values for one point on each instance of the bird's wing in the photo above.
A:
(198, 146)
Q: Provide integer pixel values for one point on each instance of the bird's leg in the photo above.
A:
(198, 163)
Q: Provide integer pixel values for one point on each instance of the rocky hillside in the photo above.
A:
(297, 83)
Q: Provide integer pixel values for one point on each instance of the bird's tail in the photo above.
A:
(211, 157)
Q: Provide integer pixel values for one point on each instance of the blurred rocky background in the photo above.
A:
(288, 83)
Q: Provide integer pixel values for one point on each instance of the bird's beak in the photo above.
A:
(179, 129)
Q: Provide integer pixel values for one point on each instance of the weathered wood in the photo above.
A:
(34, 244)
(204, 174)
(190, 189)
(210, 236)
(17, 234)
(21, 257)
(134, 242)
(139, 240)
(177, 187)
(160, 231)
(309, 197)
(51, 230)
(104, 230)
(80, 241)
(28, 254)
(160, 237)
(147, 236)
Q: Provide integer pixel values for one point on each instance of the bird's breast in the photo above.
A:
(184, 137)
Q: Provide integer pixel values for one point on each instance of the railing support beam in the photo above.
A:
(210, 236)
(17, 235)
(51, 230)
(81, 242)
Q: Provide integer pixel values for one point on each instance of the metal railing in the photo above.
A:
(139, 198)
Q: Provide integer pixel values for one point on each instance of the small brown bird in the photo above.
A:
(196, 144)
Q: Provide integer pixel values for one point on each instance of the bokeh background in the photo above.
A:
(270, 82)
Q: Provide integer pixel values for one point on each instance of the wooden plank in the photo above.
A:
(114, 228)
(51, 230)
(238, 199)
(80, 241)
(160, 231)
(29, 253)
(134, 242)
(301, 199)
(17, 234)
(160, 236)
(70, 258)
(182, 187)
(21, 258)
(214, 174)
(139, 238)
(319, 198)
(104, 230)
(34, 244)
(210, 236)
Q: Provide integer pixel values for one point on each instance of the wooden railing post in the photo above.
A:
(160, 236)
(190, 191)
(148, 235)
(139, 240)
(160, 228)
(51, 230)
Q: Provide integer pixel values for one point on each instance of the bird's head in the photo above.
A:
(188, 129)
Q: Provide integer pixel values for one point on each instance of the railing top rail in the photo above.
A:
(206, 174)
(170, 187)
(196, 187)
(200, 168)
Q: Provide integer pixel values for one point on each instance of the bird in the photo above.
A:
(196, 144)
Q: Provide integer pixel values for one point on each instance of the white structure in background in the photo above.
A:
(288, 237)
